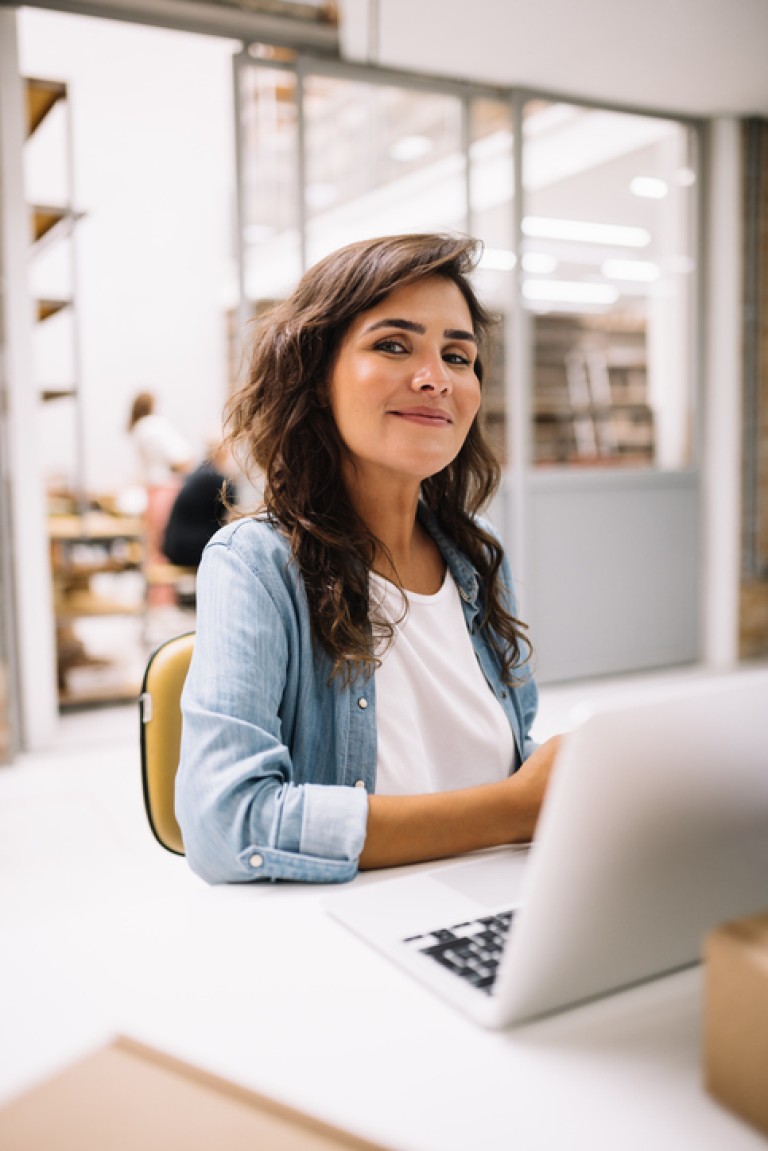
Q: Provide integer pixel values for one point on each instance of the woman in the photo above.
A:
(164, 456)
(359, 694)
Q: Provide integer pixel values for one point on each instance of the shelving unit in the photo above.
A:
(54, 224)
(52, 227)
(590, 392)
(96, 557)
(84, 549)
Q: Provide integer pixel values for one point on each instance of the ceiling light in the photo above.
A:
(410, 148)
(570, 291)
(643, 271)
(498, 260)
(622, 235)
(648, 187)
(540, 263)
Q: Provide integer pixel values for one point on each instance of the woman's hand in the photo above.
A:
(412, 828)
(530, 781)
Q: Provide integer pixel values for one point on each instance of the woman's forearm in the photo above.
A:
(412, 828)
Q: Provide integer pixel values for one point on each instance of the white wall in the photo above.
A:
(154, 172)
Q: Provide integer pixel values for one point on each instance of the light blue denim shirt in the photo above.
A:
(277, 759)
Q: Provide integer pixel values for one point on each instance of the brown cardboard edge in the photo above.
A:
(739, 945)
(148, 1058)
(749, 935)
(243, 1094)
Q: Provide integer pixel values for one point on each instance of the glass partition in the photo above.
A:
(271, 222)
(598, 251)
(380, 159)
(492, 220)
(608, 238)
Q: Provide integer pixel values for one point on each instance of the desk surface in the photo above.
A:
(258, 984)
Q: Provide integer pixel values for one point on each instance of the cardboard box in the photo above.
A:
(129, 1097)
(736, 1018)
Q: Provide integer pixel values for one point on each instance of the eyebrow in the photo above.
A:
(412, 326)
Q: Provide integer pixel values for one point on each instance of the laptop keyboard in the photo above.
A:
(471, 950)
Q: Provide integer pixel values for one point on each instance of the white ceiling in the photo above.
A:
(697, 57)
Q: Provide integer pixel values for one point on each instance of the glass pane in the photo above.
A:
(380, 160)
(271, 221)
(491, 180)
(608, 274)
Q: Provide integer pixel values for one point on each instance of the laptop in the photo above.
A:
(654, 830)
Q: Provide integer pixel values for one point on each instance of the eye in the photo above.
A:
(391, 344)
(459, 358)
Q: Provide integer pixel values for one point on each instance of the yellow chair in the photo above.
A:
(160, 709)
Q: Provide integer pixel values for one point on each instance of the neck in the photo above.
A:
(406, 554)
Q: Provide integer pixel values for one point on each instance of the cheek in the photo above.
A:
(471, 401)
(356, 395)
(348, 409)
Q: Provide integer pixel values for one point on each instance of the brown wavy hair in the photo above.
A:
(282, 417)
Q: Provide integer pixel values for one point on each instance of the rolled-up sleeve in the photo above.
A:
(245, 811)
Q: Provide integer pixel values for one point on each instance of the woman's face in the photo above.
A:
(403, 388)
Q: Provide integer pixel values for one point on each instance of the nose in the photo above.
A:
(431, 376)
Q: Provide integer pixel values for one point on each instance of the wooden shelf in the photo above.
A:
(42, 96)
(48, 394)
(94, 526)
(93, 697)
(47, 217)
(82, 605)
(48, 308)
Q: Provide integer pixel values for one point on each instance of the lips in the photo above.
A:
(427, 417)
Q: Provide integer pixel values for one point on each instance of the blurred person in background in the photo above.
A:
(200, 508)
(164, 457)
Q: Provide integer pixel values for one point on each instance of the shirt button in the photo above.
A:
(359, 783)
(256, 861)
(362, 703)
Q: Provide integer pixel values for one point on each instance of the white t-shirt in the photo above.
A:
(439, 726)
(161, 448)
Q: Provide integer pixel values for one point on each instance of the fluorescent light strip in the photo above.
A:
(641, 271)
(622, 235)
(539, 263)
(411, 148)
(648, 187)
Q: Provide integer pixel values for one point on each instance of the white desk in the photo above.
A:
(259, 985)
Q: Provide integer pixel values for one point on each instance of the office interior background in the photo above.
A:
(191, 158)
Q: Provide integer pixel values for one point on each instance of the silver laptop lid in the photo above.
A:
(655, 829)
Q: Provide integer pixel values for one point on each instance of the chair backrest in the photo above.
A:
(160, 711)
